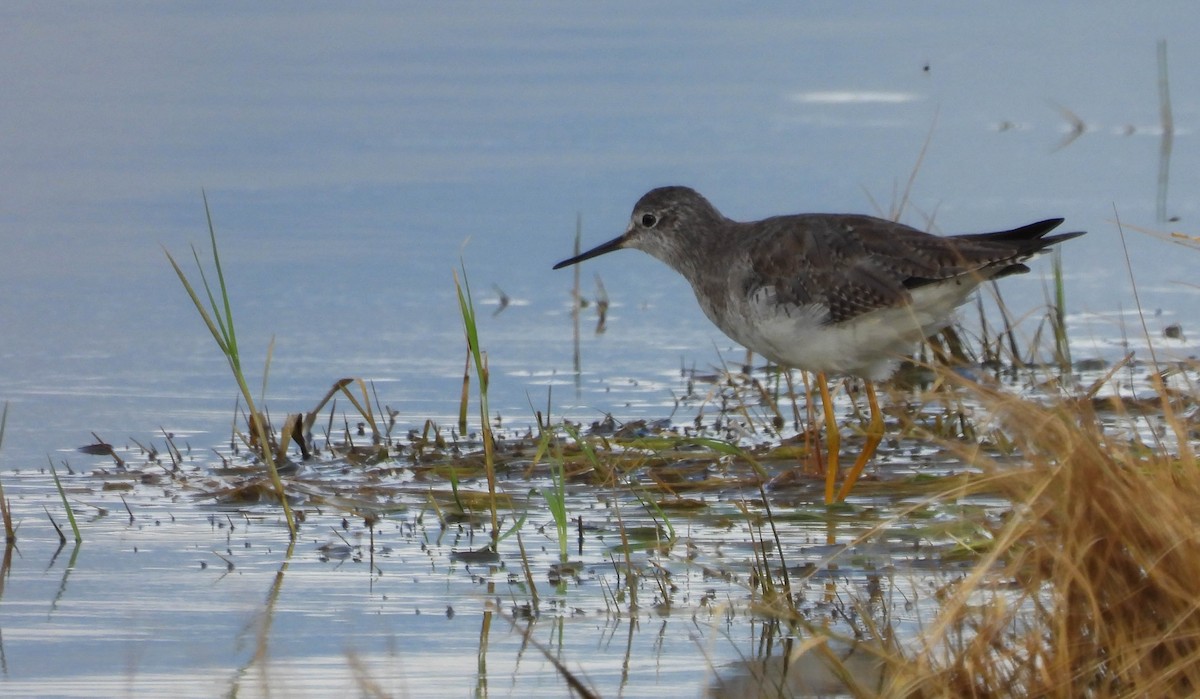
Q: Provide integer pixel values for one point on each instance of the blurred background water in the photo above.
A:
(353, 155)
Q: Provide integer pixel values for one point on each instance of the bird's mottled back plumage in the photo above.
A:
(853, 264)
(825, 292)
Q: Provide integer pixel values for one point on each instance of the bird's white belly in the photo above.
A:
(869, 346)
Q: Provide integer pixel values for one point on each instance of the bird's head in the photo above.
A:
(666, 222)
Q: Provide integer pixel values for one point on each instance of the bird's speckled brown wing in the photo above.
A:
(853, 264)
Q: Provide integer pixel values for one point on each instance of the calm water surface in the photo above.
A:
(353, 158)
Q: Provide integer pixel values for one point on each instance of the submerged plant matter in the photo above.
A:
(1028, 540)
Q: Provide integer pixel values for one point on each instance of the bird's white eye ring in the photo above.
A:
(649, 220)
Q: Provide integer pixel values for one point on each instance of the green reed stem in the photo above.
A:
(467, 308)
(66, 505)
(10, 532)
(556, 495)
(220, 324)
(1062, 346)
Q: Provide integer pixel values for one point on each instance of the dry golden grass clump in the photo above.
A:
(1093, 585)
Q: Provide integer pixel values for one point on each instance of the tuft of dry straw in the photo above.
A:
(1093, 587)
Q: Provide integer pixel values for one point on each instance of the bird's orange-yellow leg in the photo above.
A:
(874, 437)
(833, 439)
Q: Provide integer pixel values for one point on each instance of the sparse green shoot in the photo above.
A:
(10, 531)
(467, 308)
(66, 504)
(219, 320)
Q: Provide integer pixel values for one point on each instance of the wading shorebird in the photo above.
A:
(827, 293)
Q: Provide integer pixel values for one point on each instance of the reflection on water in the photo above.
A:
(348, 155)
(818, 671)
(183, 577)
(154, 599)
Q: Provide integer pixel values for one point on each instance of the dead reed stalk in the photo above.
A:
(1093, 588)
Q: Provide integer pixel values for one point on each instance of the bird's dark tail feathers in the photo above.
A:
(1030, 238)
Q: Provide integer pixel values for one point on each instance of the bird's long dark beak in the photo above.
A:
(614, 244)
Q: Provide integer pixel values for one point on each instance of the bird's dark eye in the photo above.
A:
(649, 220)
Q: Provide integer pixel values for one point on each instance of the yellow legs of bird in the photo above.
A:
(833, 440)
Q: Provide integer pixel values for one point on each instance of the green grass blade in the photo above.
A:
(515, 528)
(729, 449)
(66, 505)
(262, 397)
(10, 532)
(638, 491)
(467, 308)
(217, 333)
(220, 325)
(231, 337)
(1062, 345)
(213, 308)
(556, 495)
(556, 502)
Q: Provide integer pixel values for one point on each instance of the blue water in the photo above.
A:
(352, 157)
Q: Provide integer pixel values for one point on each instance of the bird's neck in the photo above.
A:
(696, 250)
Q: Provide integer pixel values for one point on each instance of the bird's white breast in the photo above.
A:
(868, 346)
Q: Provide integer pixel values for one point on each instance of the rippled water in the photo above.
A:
(176, 594)
(353, 157)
